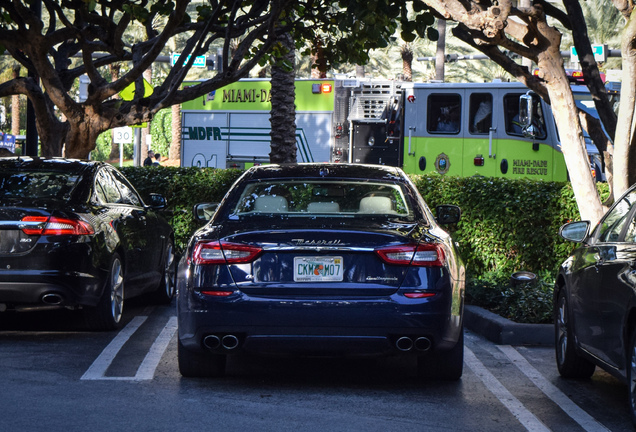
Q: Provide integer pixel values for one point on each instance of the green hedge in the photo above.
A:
(506, 226)
(183, 187)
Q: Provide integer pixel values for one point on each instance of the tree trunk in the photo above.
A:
(624, 143)
(15, 105)
(571, 134)
(283, 112)
(175, 145)
(81, 136)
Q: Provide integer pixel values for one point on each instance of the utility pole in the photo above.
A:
(440, 57)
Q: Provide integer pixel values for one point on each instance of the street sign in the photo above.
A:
(600, 53)
(123, 135)
(199, 61)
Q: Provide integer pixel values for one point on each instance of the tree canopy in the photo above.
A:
(57, 41)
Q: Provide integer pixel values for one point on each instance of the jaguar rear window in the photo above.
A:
(36, 184)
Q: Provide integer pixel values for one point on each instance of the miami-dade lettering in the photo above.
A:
(247, 95)
(530, 167)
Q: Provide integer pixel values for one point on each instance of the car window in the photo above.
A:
(37, 184)
(106, 188)
(612, 225)
(128, 195)
(630, 235)
(323, 198)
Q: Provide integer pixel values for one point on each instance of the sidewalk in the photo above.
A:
(505, 332)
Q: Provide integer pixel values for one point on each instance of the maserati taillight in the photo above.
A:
(45, 225)
(214, 252)
(422, 255)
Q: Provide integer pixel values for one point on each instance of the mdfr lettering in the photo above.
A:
(530, 167)
(204, 133)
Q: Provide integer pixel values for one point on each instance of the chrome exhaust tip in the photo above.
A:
(230, 342)
(423, 344)
(212, 342)
(404, 343)
(52, 299)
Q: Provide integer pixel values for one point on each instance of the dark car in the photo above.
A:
(595, 298)
(77, 235)
(322, 260)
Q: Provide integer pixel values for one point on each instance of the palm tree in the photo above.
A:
(407, 62)
(283, 111)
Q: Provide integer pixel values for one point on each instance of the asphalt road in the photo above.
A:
(55, 378)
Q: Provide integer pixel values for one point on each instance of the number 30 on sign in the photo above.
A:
(123, 135)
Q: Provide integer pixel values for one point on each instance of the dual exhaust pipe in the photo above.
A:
(406, 343)
(227, 342)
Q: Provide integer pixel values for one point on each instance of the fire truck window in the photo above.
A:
(480, 113)
(511, 113)
(444, 113)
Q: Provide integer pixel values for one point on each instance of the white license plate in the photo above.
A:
(318, 269)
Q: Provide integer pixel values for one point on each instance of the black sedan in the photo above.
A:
(595, 298)
(322, 260)
(77, 235)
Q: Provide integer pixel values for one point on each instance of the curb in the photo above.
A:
(502, 331)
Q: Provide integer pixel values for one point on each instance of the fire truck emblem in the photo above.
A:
(442, 164)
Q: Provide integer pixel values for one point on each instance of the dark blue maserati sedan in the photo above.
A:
(322, 260)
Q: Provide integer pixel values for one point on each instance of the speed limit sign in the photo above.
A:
(123, 135)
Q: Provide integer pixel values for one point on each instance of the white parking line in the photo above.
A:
(516, 408)
(586, 421)
(146, 371)
(97, 370)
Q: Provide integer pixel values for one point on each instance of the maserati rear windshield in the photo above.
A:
(324, 198)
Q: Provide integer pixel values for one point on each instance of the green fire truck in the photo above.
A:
(459, 129)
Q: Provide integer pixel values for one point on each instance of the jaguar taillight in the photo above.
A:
(51, 225)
